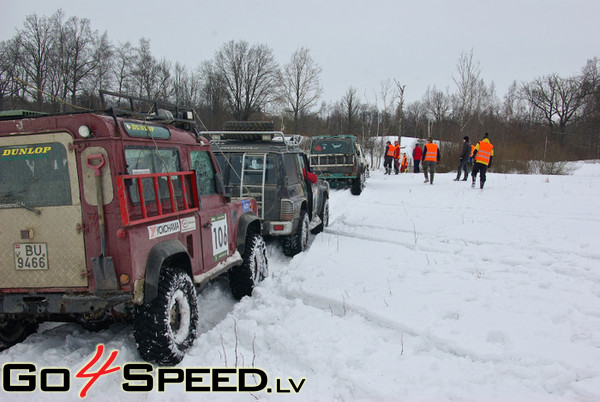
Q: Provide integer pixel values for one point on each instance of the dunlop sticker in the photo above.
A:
(29, 152)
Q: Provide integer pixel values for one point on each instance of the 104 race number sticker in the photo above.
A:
(219, 236)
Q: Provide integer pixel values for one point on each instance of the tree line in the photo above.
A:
(59, 64)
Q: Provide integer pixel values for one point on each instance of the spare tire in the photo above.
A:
(249, 126)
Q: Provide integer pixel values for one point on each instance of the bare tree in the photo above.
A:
(416, 119)
(400, 110)
(180, 84)
(389, 93)
(10, 60)
(125, 59)
(250, 76)
(300, 84)
(467, 85)
(590, 79)
(351, 107)
(558, 99)
(438, 106)
(162, 80)
(74, 57)
(104, 58)
(514, 108)
(36, 43)
(144, 70)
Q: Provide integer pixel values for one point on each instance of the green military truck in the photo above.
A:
(339, 160)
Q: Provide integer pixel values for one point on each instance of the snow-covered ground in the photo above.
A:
(414, 292)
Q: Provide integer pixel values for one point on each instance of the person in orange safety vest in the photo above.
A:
(388, 157)
(396, 157)
(431, 155)
(482, 156)
(404, 164)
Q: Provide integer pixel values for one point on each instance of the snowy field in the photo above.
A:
(415, 292)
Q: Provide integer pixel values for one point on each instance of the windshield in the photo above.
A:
(331, 146)
(34, 175)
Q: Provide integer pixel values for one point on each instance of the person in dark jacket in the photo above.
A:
(417, 152)
(463, 160)
(388, 157)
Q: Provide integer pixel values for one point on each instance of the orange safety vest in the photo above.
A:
(484, 152)
(431, 154)
(390, 150)
(472, 150)
(397, 152)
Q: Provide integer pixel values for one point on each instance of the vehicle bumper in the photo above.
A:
(38, 304)
(283, 228)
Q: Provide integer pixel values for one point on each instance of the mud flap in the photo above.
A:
(316, 221)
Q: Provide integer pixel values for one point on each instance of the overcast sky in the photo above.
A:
(357, 43)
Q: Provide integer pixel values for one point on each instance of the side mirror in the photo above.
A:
(220, 186)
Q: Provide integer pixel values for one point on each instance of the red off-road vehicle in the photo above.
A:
(117, 215)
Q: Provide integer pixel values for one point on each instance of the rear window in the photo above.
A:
(330, 146)
(231, 166)
(34, 175)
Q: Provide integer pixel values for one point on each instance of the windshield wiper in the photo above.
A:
(21, 204)
(35, 211)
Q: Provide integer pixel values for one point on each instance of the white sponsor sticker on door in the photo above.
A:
(219, 236)
(163, 229)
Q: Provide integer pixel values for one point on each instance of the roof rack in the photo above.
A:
(21, 113)
(146, 109)
(220, 137)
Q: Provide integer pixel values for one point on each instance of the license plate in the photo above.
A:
(31, 256)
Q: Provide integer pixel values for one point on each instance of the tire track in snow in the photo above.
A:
(428, 340)
(438, 239)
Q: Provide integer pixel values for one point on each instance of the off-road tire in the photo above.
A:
(324, 216)
(254, 269)
(358, 184)
(167, 326)
(15, 331)
(297, 241)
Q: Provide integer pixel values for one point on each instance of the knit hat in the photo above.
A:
(466, 138)
(485, 135)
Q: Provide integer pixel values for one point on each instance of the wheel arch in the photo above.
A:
(169, 252)
(248, 223)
